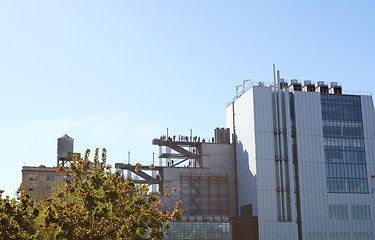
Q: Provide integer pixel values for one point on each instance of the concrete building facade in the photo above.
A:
(296, 161)
(305, 160)
(39, 182)
(208, 190)
(205, 174)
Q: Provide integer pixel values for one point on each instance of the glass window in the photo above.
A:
(344, 144)
(199, 230)
(33, 188)
(49, 188)
(346, 171)
(337, 211)
(50, 177)
(365, 185)
(33, 177)
(331, 170)
(361, 212)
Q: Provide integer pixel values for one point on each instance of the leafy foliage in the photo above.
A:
(17, 217)
(101, 205)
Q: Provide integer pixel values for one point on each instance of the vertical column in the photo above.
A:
(281, 152)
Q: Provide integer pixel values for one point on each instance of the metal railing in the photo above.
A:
(351, 92)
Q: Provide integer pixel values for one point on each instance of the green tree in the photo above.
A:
(101, 205)
(17, 217)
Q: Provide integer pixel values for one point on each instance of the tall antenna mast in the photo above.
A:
(274, 74)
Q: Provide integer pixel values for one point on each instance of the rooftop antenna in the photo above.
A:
(243, 83)
(274, 74)
(237, 90)
(243, 86)
(278, 78)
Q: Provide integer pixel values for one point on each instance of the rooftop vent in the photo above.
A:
(308, 86)
(295, 85)
(335, 88)
(283, 84)
(293, 81)
(321, 87)
(307, 82)
(333, 84)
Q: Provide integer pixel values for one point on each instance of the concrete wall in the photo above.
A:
(41, 182)
(368, 116)
(212, 187)
(256, 160)
(312, 174)
(311, 162)
(245, 150)
(229, 120)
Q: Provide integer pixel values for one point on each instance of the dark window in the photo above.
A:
(50, 177)
(33, 177)
(344, 144)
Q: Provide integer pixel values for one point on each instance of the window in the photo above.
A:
(49, 188)
(337, 212)
(344, 147)
(339, 234)
(33, 188)
(316, 234)
(50, 177)
(362, 234)
(33, 177)
(361, 212)
(199, 230)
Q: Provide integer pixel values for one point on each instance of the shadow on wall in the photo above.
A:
(246, 183)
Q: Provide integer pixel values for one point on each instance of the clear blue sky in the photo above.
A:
(116, 74)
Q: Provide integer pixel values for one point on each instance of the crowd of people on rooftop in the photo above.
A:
(182, 138)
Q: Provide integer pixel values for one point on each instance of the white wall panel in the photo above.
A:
(246, 166)
(229, 119)
(311, 164)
